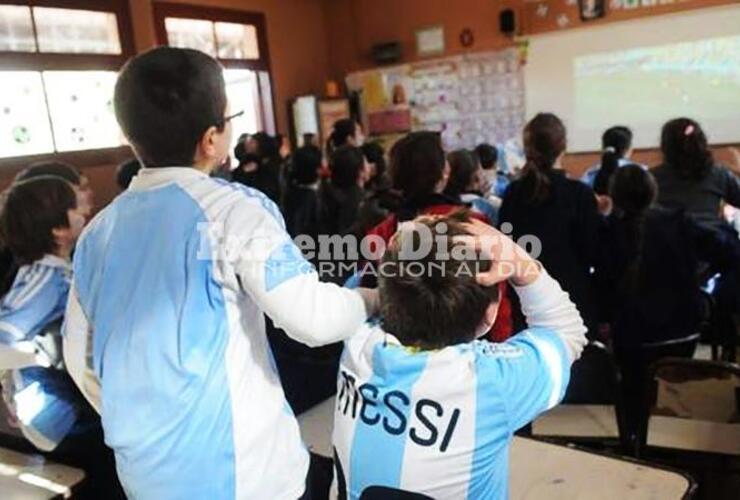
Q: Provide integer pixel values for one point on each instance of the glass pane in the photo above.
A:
(266, 93)
(16, 29)
(237, 41)
(24, 122)
(241, 90)
(191, 34)
(81, 108)
(76, 31)
(305, 118)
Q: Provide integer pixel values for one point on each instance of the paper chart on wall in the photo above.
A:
(468, 99)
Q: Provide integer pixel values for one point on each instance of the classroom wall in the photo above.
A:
(550, 19)
(356, 25)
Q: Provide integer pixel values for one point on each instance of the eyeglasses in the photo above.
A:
(229, 118)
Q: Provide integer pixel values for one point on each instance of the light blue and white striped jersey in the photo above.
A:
(171, 283)
(482, 206)
(440, 422)
(41, 395)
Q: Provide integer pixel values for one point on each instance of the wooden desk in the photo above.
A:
(31, 477)
(551, 472)
(544, 471)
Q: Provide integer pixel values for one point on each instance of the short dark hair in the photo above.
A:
(267, 145)
(346, 166)
(463, 167)
(487, 154)
(50, 168)
(442, 306)
(32, 209)
(306, 165)
(126, 171)
(375, 154)
(165, 100)
(618, 138)
(343, 130)
(417, 164)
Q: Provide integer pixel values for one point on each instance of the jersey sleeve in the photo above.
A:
(531, 370)
(271, 269)
(35, 299)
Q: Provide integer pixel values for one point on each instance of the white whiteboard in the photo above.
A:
(640, 73)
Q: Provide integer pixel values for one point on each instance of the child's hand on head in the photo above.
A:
(509, 260)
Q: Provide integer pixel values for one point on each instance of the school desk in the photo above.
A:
(545, 471)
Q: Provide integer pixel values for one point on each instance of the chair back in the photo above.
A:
(706, 392)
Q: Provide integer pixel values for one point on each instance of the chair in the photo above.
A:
(693, 405)
(591, 408)
(634, 369)
(383, 493)
(25, 475)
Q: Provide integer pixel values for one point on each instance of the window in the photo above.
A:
(58, 66)
(239, 41)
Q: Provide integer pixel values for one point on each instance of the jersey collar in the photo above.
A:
(150, 178)
(55, 261)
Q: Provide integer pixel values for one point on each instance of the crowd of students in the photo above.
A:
(166, 342)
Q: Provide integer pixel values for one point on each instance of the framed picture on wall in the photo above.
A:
(430, 41)
(592, 9)
(331, 111)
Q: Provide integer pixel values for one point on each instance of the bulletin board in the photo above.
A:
(468, 99)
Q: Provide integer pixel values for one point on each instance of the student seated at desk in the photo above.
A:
(40, 223)
(422, 405)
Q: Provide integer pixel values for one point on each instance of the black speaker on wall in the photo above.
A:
(386, 53)
(507, 22)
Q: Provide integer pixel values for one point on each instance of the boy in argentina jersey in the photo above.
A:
(165, 326)
(40, 223)
(424, 407)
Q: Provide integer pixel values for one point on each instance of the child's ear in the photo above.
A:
(208, 146)
(489, 318)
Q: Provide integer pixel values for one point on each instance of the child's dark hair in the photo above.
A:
(165, 100)
(32, 209)
(488, 155)
(343, 130)
(306, 165)
(615, 143)
(685, 148)
(544, 141)
(267, 145)
(125, 173)
(633, 191)
(50, 168)
(463, 167)
(375, 154)
(346, 165)
(441, 306)
(417, 164)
